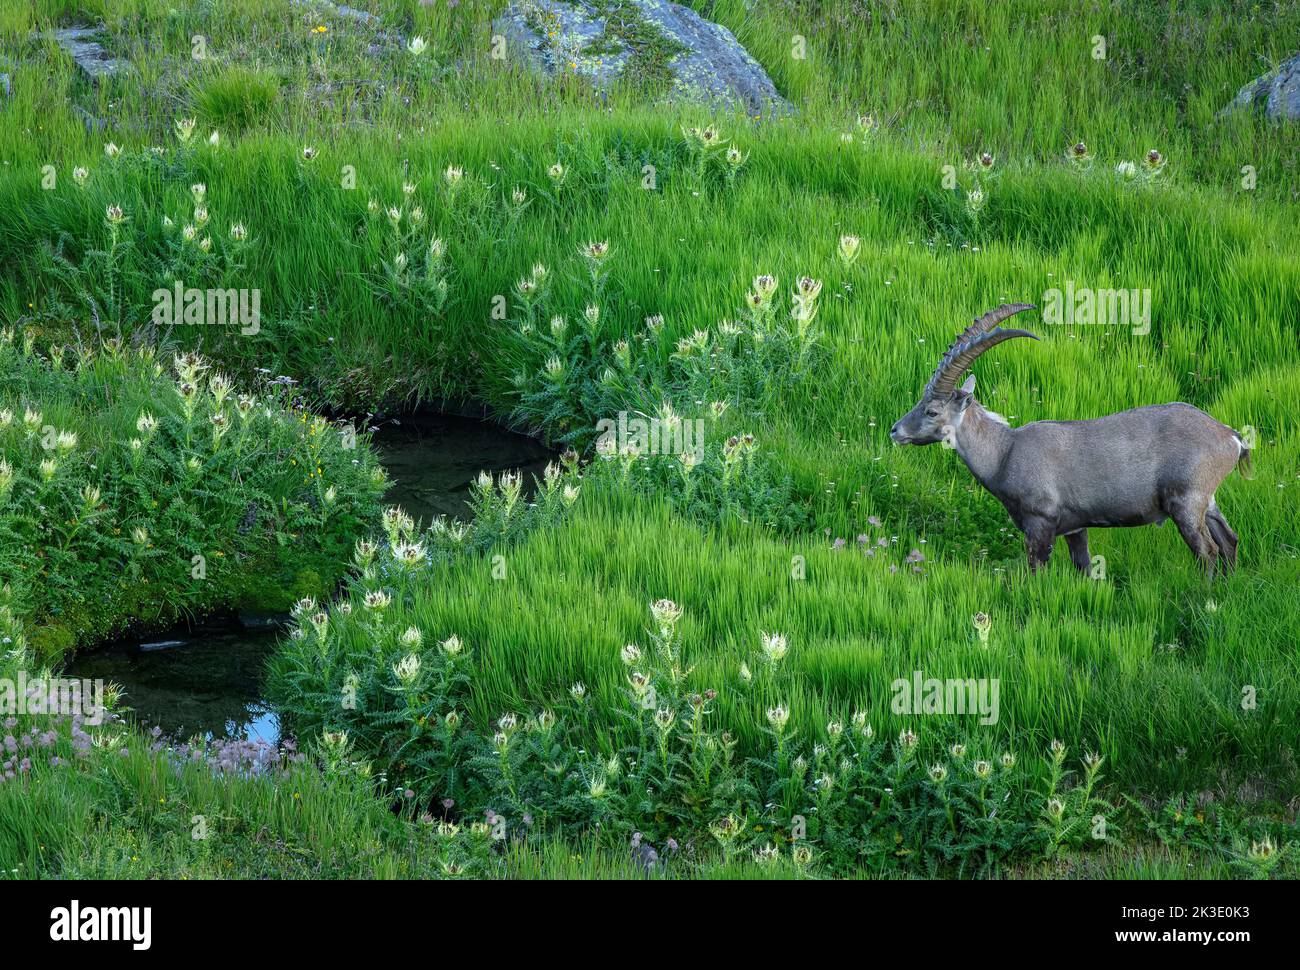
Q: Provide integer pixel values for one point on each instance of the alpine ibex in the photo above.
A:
(1061, 478)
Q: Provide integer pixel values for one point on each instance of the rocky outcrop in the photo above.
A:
(88, 53)
(1275, 94)
(351, 17)
(607, 41)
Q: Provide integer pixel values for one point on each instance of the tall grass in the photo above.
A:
(1151, 665)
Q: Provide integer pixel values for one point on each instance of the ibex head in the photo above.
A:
(942, 402)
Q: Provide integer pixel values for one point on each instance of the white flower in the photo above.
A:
(665, 612)
(407, 669)
(774, 646)
(376, 600)
(417, 46)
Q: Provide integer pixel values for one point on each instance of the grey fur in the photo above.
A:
(1061, 478)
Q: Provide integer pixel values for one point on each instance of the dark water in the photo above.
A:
(209, 681)
(432, 460)
(210, 684)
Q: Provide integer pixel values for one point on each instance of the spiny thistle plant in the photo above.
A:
(95, 283)
(389, 700)
(753, 361)
(194, 489)
(710, 151)
(112, 264)
(727, 479)
(404, 706)
(1148, 170)
(413, 265)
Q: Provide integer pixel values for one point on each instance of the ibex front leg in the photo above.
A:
(1040, 534)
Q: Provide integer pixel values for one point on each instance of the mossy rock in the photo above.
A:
(278, 592)
(51, 642)
(663, 48)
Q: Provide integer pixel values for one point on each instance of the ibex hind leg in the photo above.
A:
(1223, 535)
(1190, 519)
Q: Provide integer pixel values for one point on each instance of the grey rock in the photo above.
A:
(93, 123)
(340, 10)
(1276, 94)
(361, 18)
(570, 36)
(89, 54)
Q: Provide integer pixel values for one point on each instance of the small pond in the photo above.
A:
(208, 680)
(433, 459)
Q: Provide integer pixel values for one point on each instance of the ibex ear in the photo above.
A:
(964, 394)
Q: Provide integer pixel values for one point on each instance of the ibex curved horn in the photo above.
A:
(970, 343)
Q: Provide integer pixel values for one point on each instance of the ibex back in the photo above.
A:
(1061, 478)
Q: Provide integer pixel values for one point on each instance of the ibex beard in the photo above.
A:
(1061, 478)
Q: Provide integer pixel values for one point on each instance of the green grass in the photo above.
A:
(1077, 659)
(1148, 665)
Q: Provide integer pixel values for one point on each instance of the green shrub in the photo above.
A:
(126, 495)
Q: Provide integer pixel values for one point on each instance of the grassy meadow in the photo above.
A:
(416, 225)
